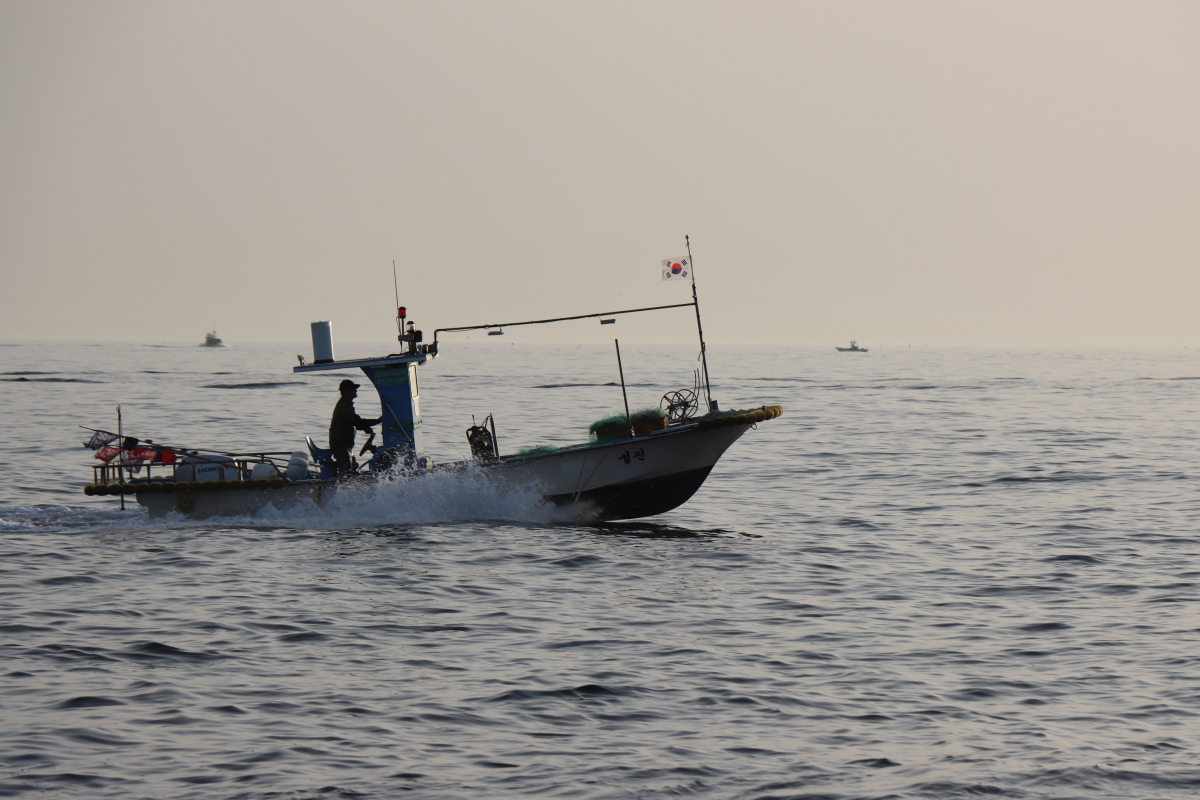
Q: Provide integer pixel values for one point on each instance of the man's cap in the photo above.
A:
(347, 384)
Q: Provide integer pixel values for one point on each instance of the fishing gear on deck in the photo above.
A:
(482, 441)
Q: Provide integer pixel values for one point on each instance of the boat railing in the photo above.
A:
(242, 465)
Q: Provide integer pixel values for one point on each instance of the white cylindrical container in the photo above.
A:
(298, 466)
(263, 471)
(322, 343)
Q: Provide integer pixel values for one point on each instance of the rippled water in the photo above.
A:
(941, 574)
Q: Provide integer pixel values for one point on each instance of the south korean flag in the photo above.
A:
(676, 269)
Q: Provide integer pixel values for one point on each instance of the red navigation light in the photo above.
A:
(401, 312)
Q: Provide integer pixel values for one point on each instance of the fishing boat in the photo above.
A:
(633, 465)
(211, 340)
(853, 348)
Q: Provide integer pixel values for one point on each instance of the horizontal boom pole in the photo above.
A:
(557, 319)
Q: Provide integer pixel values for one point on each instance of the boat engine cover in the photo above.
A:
(206, 468)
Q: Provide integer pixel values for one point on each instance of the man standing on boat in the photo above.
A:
(341, 428)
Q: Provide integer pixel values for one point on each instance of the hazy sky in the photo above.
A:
(907, 172)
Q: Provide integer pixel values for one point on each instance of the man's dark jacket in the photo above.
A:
(343, 424)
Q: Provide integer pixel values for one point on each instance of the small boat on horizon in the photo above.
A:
(853, 348)
(211, 340)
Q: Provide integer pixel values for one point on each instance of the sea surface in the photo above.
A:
(942, 573)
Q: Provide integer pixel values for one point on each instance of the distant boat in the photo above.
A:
(211, 340)
(853, 348)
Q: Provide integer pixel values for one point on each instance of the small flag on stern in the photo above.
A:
(676, 269)
(143, 454)
(99, 439)
(107, 453)
(137, 456)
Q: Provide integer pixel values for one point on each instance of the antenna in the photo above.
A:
(396, 285)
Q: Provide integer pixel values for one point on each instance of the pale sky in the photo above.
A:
(951, 173)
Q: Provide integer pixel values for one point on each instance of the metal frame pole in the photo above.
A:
(625, 397)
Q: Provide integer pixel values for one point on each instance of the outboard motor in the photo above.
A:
(482, 441)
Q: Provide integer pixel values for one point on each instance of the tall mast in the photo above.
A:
(700, 328)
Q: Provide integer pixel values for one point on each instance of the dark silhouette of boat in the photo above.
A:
(853, 348)
(635, 464)
(211, 340)
(632, 465)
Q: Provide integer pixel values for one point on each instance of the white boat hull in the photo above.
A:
(631, 478)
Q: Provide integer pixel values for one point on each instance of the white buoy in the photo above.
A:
(264, 471)
(297, 469)
(322, 343)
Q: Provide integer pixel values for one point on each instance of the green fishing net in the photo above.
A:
(615, 426)
(541, 448)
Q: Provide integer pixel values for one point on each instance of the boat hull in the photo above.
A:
(236, 502)
(631, 478)
(641, 498)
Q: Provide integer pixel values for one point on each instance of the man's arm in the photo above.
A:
(365, 425)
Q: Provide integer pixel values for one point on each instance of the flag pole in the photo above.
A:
(121, 456)
(700, 328)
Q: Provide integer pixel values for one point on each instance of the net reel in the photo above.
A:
(684, 403)
(679, 405)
